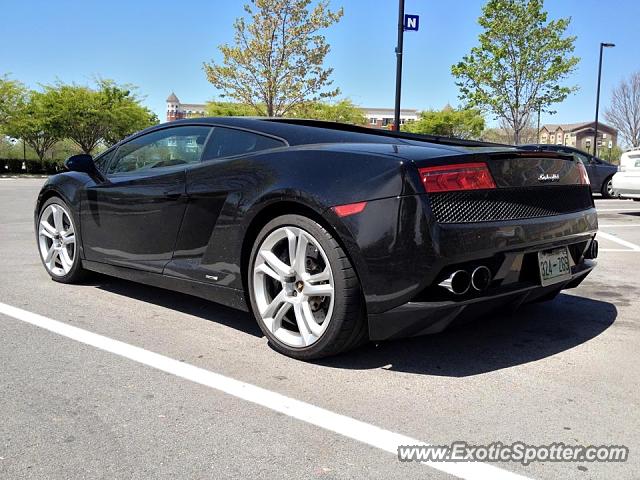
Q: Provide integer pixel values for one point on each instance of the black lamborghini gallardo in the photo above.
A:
(330, 234)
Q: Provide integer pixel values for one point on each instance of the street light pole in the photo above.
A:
(595, 135)
(539, 109)
(396, 118)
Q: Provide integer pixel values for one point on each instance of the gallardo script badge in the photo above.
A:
(548, 177)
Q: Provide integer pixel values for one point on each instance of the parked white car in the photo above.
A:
(626, 182)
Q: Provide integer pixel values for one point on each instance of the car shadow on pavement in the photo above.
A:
(179, 302)
(492, 343)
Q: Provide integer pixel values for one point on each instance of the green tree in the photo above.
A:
(449, 122)
(12, 93)
(276, 63)
(230, 109)
(343, 111)
(519, 64)
(35, 122)
(103, 115)
(125, 114)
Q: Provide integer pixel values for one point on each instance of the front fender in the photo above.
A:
(68, 186)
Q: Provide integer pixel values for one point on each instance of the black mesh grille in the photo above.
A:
(509, 203)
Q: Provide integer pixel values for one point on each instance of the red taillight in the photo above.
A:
(584, 176)
(463, 176)
(349, 209)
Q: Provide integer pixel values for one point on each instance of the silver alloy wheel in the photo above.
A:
(293, 286)
(57, 239)
(609, 188)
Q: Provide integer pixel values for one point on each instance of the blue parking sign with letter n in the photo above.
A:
(411, 22)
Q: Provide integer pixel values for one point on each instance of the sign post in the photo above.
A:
(409, 23)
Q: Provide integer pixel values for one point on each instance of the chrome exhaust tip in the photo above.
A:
(457, 283)
(480, 278)
(592, 251)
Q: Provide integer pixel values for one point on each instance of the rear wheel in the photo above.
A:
(58, 241)
(607, 189)
(304, 291)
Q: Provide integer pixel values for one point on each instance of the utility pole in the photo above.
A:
(396, 118)
(595, 135)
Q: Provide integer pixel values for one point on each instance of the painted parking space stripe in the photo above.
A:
(618, 209)
(617, 250)
(619, 226)
(341, 424)
(620, 241)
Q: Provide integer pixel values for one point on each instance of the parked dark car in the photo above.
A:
(600, 172)
(331, 235)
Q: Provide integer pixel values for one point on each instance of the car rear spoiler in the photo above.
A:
(346, 127)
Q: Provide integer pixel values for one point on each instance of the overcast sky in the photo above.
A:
(160, 46)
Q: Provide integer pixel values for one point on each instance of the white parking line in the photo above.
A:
(624, 243)
(306, 412)
(618, 209)
(617, 250)
(617, 226)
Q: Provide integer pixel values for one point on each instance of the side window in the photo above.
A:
(162, 148)
(225, 142)
(103, 160)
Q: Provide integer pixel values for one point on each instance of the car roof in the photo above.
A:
(307, 132)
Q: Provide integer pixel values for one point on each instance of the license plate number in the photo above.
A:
(554, 265)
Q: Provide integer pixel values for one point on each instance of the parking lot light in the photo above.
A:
(595, 135)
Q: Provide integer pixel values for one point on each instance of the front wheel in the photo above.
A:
(304, 291)
(58, 241)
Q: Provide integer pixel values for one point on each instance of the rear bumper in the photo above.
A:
(626, 185)
(419, 318)
(400, 250)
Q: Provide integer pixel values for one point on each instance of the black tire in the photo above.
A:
(605, 188)
(347, 328)
(76, 273)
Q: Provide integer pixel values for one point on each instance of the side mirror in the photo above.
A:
(83, 163)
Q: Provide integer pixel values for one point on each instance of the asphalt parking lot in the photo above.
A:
(565, 371)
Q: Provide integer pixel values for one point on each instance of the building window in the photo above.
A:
(373, 121)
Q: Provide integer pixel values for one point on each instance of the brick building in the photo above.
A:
(579, 135)
(376, 117)
(177, 110)
(383, 117)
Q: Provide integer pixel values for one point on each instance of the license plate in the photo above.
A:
(554, 265)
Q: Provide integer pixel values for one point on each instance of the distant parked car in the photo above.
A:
(626, 183)
(600, 172)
